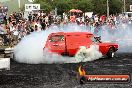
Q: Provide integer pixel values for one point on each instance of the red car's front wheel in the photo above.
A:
(111, 53)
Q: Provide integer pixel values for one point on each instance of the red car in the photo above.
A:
(68, 43)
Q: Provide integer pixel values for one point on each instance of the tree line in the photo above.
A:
(96, 6)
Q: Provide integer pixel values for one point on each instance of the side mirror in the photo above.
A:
(98, 38)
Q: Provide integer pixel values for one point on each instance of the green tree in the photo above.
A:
(85, 5)
(46, 7)
(97, 6)
(100, 6)
(62, 6)
(128, 3)
(115, 6)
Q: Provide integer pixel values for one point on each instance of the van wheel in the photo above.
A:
(65, 54)
(111, 53)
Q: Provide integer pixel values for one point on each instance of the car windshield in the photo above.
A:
(56, 38)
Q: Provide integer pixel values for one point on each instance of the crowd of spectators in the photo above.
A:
(15, 27)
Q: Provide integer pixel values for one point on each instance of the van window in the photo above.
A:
(56, 38)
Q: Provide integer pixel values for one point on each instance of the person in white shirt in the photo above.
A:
(37, 26)
(96, 19)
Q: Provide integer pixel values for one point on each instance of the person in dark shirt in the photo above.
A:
(5, 19)
(43, 25)
(30, 17)
(10, 18)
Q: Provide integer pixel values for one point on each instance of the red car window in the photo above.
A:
(56, 38)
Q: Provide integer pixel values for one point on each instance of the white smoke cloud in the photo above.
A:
(30, 48)
(88, 54)
(121, 35)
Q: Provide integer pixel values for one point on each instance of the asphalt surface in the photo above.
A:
(64, 75)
